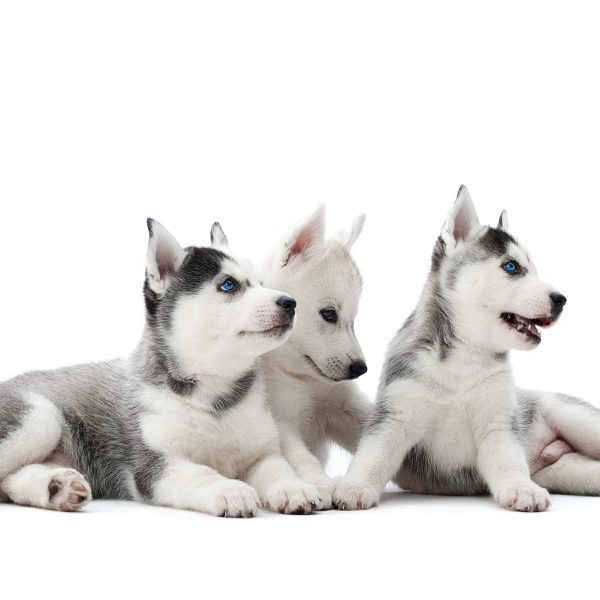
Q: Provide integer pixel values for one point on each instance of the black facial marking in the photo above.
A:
(236, 394)
(200, 266)
(496, 241)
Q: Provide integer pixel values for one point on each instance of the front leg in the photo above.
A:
(280, 489)
(184, 484)
(349, 412)
(396, 425)
(306, 464)
(502, 463)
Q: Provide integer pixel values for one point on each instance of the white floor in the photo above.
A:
(410, 546)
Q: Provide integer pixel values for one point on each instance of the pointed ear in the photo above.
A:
(503, 221)
(462, 222)
(164, 257)
(349, 236)
(306, 239)
(217, 237)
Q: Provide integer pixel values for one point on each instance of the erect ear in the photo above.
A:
(217, 237)
(164, 257)
(462, 222)
(503, 221)
(306, 239)
(349, 236)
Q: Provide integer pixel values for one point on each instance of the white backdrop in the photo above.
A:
(252, 113)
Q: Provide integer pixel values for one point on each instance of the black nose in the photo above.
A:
(288, 304)
(558, 301)
(357, 368)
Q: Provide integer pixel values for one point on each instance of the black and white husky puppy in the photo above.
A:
(310, 378)
(448, 417)
(184, 422)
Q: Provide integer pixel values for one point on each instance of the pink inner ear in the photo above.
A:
(165, 261)
(303, 240)
(462, 227)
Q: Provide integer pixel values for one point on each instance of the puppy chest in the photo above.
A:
(227, 442)
(450, 441)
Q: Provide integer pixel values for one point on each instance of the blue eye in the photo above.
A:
(228, 285)
(511, 267)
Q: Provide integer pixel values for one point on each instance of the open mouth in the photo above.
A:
(276, 331)
(527, 327)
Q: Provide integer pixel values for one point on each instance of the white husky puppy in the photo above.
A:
(448, 418)
(183, 422)
(309, 378)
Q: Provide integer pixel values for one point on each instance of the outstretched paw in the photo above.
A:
(68, 490)
(525, 496)
(351, 494)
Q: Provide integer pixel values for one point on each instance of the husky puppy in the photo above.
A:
(183, 422)
(448, 418)
(309, 378)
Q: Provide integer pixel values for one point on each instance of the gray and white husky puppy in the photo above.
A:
(310, 378)
(183, 422)
(448, 417)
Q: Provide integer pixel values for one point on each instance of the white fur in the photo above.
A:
(224, 461)
(315, 408)
(462, 408)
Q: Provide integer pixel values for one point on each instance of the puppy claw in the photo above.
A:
(292, 499)
(354, 495)
(524, 496)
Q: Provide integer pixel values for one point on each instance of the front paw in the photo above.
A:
(351, 494)
(524, 496)
(233, 498)
(293, 498)
(325, 489)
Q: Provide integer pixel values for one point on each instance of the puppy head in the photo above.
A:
(207, 308)
(495, 295)
(325, 281)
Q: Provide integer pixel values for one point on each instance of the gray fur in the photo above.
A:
(419, 465)
(399, 366)
(526, 413)
(577, 402)
(429, 331)
(239, 390)
(379, 416)
(102, 437)
(13, 410)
